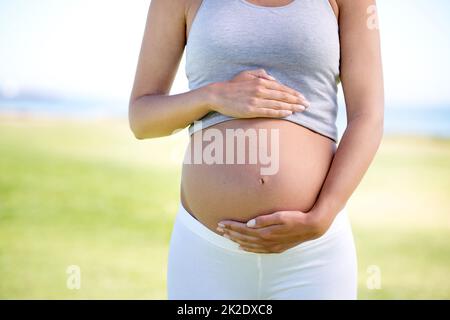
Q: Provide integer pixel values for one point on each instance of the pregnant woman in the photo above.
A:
(262, 211)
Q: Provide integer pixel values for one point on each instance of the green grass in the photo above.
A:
(89, 194)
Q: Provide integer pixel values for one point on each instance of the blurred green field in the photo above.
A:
(89, 194)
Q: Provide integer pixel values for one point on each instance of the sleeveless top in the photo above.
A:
(297, 43)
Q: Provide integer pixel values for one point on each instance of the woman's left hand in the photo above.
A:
(276, 232)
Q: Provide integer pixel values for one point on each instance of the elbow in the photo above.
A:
(134, 123)
(138, 134)
(377, 125)
(376, 130)
(145, 123)
(137, 129)
(140, 123)
(143, 130)
(372, 121)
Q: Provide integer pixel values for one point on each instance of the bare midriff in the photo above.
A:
(212, 191)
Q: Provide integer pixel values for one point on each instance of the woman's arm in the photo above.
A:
(362, 81)
(152, 112)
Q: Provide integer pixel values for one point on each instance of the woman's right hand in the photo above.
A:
(254, 93)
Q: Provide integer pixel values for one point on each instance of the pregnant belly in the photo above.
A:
(242, 168)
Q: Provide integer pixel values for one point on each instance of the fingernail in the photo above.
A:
(226, 236)
(287, 113)
(251, 223)
(220, 224)
(220, 229)
(307, 104)
(300, 108)
(272, 78)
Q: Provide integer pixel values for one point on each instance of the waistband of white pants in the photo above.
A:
(201, 230)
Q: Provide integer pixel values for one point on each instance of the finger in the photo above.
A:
(279, 105)
(255, 250)
(283, 96)
(271, 234)
(245, 243)
(265, 220)
(275, 85)
(261, 73)
(241, 237)
(269, 113)
(238, 227)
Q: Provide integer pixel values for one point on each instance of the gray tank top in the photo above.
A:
(297, 43)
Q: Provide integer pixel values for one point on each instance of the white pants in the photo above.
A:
(204, 265)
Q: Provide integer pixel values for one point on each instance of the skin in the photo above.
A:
(154, 113)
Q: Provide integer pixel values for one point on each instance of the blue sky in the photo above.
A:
(80, 47)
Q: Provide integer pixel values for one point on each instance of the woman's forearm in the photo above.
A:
(154, 116)
(353, 156)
